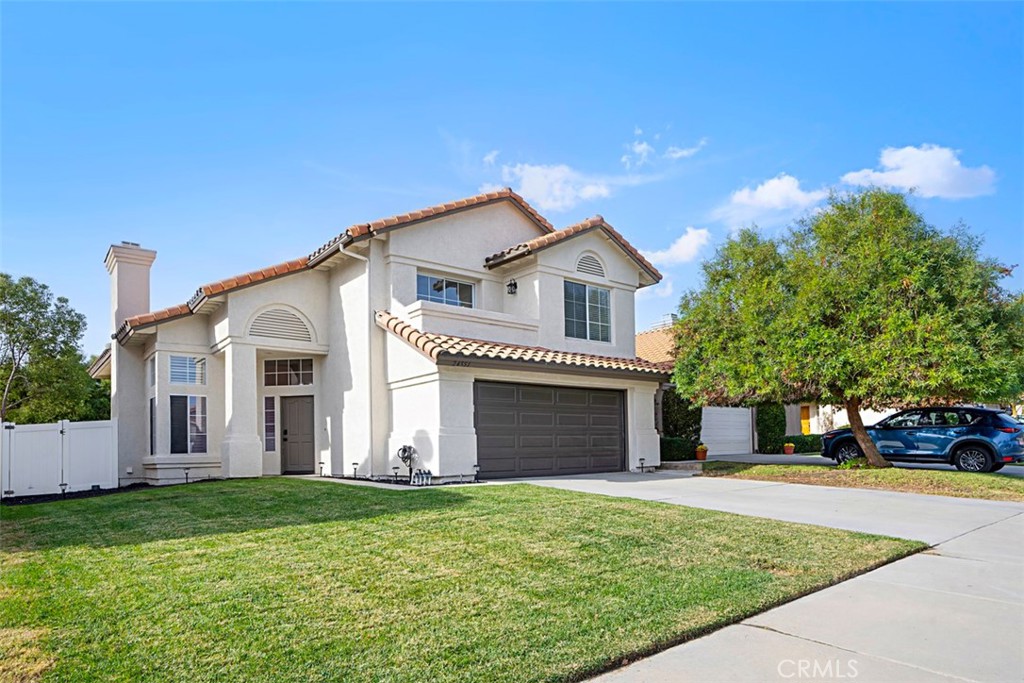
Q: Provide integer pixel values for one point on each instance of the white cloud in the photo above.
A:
(662, 290)
(637, 131)
(491, 157)
(777, 198)
(674, 152)
(556, 187)
(683, 250)
(639, 154)
(932, 170)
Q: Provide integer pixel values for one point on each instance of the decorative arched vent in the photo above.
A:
(280, 324)
(589, 264)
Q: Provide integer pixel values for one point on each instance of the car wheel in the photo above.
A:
(847, 450)
(973, 459)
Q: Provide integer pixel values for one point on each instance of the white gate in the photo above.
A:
(37, 459)
(726, 431)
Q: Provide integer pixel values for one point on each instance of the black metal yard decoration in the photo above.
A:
(407, 454)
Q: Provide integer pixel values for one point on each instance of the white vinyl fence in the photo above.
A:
(37, 459)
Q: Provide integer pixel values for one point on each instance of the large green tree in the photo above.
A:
(42, 373)
(862, 305)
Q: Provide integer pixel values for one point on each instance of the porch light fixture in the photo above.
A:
(512, 286)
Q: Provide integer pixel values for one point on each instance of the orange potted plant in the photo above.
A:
(788, 448)
(702, 452)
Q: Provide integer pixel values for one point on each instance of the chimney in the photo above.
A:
(128, 265)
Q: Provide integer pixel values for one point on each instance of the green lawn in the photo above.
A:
(291, 580)
(908, 480)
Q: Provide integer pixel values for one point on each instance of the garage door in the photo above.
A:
(726, 431)
(527, 430)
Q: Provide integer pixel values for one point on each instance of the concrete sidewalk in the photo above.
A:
(953, 613)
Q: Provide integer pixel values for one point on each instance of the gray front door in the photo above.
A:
(297, 456)
(528, 430)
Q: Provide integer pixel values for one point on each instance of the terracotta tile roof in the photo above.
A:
(657, 345)
(364, 230)
(583, 227)
(146, 319)
(240, 281)
(437, 346)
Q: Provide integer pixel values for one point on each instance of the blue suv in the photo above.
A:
(972, 439)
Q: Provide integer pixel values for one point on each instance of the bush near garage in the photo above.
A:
(771, 428)
(680, 418)
(674, 449)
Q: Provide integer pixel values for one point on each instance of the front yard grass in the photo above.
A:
(293, 580)
(905, 479)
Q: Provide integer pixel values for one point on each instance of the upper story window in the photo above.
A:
(587, 312)
(188, 370)
(151, 370)
(444, 291)
(292, 372)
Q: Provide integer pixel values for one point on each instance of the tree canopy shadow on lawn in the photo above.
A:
(196, 510)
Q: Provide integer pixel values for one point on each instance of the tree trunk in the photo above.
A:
(867, 446)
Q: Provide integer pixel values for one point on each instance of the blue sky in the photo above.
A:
(232, 136)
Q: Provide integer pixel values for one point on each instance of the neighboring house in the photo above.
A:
(731, 431)
(725, 431)
(474, 331)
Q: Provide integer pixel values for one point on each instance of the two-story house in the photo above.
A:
(474, 331)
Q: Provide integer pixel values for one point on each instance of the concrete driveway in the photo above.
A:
(953, 613)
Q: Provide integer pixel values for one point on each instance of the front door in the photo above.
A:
(297, 455)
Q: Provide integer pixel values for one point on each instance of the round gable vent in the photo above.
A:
(589, 264)
(278, 323)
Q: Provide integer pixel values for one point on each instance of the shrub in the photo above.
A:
(771, 428)
(853, 464)
(674, 449)
(680, 418)
(805, 443)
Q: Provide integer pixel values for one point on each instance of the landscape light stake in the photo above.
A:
(395, 475)
(641, 465)
(355, 470)
(476, 472)
(63, 489)
(186, 469)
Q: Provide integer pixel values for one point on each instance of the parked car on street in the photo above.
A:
(972, 439)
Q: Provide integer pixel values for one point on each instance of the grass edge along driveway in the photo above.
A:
(901, 479)
(291, 580)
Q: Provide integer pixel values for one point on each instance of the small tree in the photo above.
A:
(863, 305)
(39, 354)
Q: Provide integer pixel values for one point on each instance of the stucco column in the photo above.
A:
(242, 451)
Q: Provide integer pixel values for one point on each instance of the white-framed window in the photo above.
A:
(188, 424)
(288, 372)
(444, 290)
(151, 370)
(269, 424)
(588, 312)
(188, 370)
